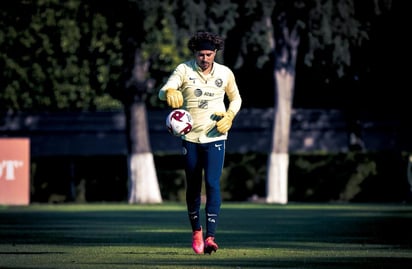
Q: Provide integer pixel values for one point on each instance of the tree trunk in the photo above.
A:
(285, 51)
(143, 182)
(409, 174)
(278, 164)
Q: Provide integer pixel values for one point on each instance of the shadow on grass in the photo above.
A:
(292, 236)
(260, 226)
(318, 263)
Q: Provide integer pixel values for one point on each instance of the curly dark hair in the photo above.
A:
(201, 36)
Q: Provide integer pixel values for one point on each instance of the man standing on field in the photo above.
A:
(200, 86)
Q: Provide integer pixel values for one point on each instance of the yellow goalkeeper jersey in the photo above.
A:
(204, 95)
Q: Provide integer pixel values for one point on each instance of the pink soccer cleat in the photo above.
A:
(210, 245)
(197, 241)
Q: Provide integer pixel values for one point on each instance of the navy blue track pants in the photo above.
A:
(203, 161)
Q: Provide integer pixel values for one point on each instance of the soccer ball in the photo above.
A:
(179, 122)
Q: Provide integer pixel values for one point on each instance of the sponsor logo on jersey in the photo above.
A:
(198, 92)
(202, 104)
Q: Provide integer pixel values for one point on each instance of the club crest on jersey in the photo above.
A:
(219, 82)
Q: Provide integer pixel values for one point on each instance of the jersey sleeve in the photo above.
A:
(173, 82)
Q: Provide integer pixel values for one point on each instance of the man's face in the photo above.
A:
(205, 58)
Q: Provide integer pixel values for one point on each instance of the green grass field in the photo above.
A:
(249, 235)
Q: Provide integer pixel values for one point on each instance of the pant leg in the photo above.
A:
(214, 160)
(193, 170)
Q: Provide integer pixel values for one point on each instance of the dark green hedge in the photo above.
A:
(344, 177)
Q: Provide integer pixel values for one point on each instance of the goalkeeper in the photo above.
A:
(200, 86)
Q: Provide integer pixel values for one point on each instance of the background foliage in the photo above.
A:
(319, 177)
(72, 54)
(56, 55)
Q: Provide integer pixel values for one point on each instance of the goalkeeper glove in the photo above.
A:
(224, 124)
(174, 98)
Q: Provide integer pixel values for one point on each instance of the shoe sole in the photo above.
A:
(209, 250)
